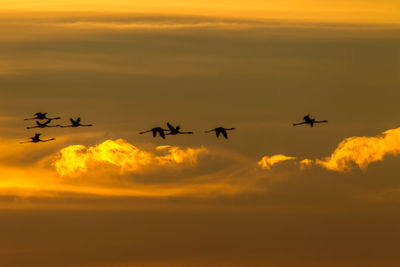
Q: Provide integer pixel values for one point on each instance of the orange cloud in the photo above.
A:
(167, 171)
(77, 159)
(268, 161)
(362, 151)
(305, 163)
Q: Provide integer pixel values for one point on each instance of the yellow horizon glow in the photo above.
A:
(352, 11)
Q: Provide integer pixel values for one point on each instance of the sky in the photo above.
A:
(270, 195)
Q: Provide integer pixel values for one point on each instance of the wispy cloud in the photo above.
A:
(268, 161)
(67, 25)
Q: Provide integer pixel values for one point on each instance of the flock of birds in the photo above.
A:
(42, 121)
(176, 130)
(40, 117)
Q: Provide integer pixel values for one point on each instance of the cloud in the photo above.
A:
(268, 161)
(362, 151)
(305, 163)
(352, 151)
(117, 168)
(76, 159)
(56, 25)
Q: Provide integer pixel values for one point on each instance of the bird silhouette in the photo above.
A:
(36, 139)
(175, 130)
(43, 125)
(220, 130)
(76, 123)
(308, 120)
(156, 130)
(41, 116)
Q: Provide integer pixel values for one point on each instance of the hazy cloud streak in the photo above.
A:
(268, 161)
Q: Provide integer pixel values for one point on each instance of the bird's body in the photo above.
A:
(175, 130)
(221, 130)
(43, 125)
(36, 139)
(308, 120)
(76, 123)
(41, 116)
(156, 130)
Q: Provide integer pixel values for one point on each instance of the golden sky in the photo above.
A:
(108, 196)
(352, 11)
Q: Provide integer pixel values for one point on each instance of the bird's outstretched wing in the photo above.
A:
(217, 133)
(224, 134)
(37, 135)
(78, 120)
(72, 121)
(162, 134)
(171, 128)
(306, 117)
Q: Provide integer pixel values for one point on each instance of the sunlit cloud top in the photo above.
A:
(362, 151)
(76, 159)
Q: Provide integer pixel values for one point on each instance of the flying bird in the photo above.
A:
(175, 130)
(221, 130)
(76, 123)
(308, 120)
(41, 116)
(36, 139)
(156, 130)
(43, 125)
